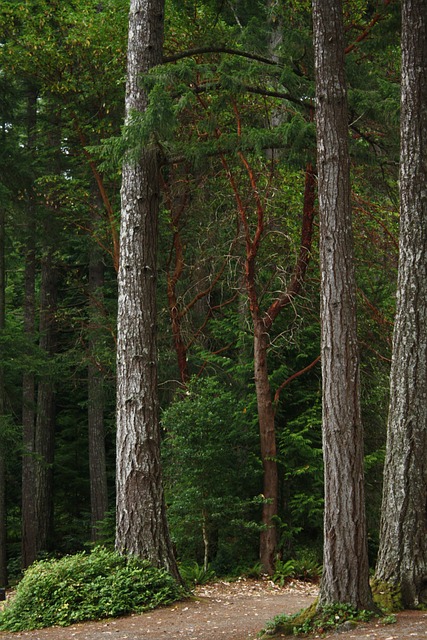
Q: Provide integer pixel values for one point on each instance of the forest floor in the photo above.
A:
(224, 611)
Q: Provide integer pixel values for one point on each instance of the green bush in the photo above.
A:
(86, 587)
(317, 621)
(193, 573)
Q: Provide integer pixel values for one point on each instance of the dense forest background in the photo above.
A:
(231, 110)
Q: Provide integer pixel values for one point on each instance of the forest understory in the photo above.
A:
(225, 611)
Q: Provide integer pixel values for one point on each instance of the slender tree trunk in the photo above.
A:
(46, 406)
(3, 511)
(97, 462)
(268, 537)
(402, 558)
(345, 564)
(141, 528)
(29, 531)
(262, 324)
(45, 422)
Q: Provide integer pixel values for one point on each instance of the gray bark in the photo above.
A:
(141, 527)
(402, 556)
(345, 571)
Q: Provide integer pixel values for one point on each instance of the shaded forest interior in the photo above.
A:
(231, 116)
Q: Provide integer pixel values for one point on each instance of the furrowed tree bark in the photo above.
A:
(345, 564)
(141, 528)
(402, 558)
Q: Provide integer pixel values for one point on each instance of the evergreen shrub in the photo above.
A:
(86, 586)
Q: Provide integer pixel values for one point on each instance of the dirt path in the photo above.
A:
(224, 611)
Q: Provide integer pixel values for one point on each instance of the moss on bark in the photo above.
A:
(387, 595)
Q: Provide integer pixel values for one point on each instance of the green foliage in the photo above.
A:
(307, 567)
(304, 566)
(317, 620)
(331, 617)
(86, 587)
(193, 573)
(211, 472)
(202, 109)
(283, 572)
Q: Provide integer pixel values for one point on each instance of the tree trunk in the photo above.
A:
(29, 532)
(345, 564)
(29, 535)
(402, 558)
(3, 512)
(141, 528)
(45, 422)
(96, 429)
(268, 537)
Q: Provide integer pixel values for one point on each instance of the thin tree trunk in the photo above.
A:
(45, 422)
(3, 511)
(205, 540)
(141, 527)
(402, 558)
(262, 324)
(96, 429)
(268, 536)
(29, 532)
(345, 565)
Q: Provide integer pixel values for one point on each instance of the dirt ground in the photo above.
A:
(224, 611)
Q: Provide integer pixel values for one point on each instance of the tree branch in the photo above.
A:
(227, 50)
(304, 254)
(292, 377)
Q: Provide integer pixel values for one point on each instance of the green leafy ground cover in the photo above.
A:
(86, 586)
(320, 620)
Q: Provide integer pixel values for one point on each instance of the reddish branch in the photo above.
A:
(367, 211)
(172, 280)
(104, 197)
(293, 377)
(367, 30)
(178, 312)
(301, 265)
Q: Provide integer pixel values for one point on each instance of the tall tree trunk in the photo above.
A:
(3, 512)
(45, 422)
(46, 408)
(262, 324)
(268, 536)
(97, 462)
(29, 532)
(345, 564)
(402, 558)
(141, 527)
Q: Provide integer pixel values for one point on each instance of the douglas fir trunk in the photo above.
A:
(402, 557)
(345, 563)
(141, 517)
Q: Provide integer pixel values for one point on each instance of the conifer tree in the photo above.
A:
(141, 527)
(345, 576)
(402, 559)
